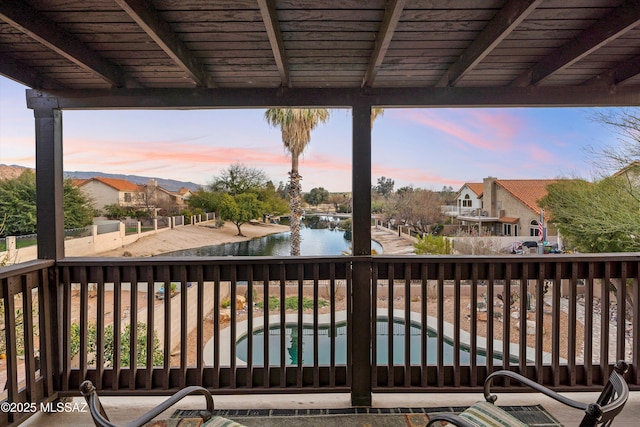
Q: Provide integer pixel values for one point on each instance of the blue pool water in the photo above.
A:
(324, 345)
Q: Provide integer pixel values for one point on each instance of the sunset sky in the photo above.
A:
(427, 148)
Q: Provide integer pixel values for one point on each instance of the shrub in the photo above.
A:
(430, 244)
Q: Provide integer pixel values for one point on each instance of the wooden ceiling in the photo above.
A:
(401, 52)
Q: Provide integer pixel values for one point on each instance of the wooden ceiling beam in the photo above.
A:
(406, 97)
(31, 22)
(500, 26)
(22, 74)
(619, 21)
(272, 25)
(160, 31)
(383, 39)
(619, 74)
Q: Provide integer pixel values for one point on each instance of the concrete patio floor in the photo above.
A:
(124, 409)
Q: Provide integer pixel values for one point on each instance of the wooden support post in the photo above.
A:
(49, 183)
(361, 279)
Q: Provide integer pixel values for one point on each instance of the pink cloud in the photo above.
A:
(486, 129)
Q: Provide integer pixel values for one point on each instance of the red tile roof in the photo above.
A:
(476, 187)
(528, 191)
(118, 184)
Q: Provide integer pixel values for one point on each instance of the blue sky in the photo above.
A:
(427, 148)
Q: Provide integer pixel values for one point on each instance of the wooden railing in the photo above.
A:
(154, 325)
(27, 293)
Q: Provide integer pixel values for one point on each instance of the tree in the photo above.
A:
(240, 194)
(18, 205)
(419, 209)
(296, 125)
(205, 200)
(595, 217)
(385, 186)
(316, 196)
(240, 209)
(238, 179)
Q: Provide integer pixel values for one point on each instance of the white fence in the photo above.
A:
(102, 237)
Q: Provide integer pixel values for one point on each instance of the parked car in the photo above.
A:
(530, 244)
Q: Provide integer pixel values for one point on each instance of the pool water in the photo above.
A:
(324, 345)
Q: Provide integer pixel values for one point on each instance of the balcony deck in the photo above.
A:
(122, 410)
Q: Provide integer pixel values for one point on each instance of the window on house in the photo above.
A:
(506, 229)
(127, 197)
(533, 228)
(467, 202)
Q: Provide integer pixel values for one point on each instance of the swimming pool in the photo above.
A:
(340, 333)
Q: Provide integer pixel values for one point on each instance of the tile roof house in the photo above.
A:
(108, 191)
(504, 207)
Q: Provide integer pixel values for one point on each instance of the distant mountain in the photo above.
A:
(168, 184)
(13, 171)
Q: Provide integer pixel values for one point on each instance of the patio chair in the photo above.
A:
(484, 413)
(205, 416)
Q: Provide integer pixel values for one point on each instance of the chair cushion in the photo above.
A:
(485, 414)
(175, 422)
(218, 421)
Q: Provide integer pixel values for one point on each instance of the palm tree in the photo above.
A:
(296, 125)
(375, 113)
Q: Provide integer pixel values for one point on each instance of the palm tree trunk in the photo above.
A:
(295, 206)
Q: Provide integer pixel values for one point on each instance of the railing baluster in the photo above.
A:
(100, 288)
(249, 300)
(234, 327)
(147, 276)
(490, 316)
(440, 329)
(506, 319)
(556, 292)
(539, 342)
(133, 327)
(424, 324)
(571, 351)
(604, 320)
(588, 325)
(266, 376)
(216, 325)
(621, 317)
(117, 328)
(283, 324)
(635, 338)
(184, 324)
(390, 324)
(407, 324)
(27, 318)
(299, 361)
(199, 279)
(456, 323)
(165, 280)
(473, 330)
(66, 328)
(332, 325)
(84, 308)
(316, 296)
(522, 320)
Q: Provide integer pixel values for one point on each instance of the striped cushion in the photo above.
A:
(485, 414)
(218, 421)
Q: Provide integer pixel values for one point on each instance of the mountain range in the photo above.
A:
(13, 171)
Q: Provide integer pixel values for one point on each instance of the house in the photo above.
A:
(468, 199)
(503, 207)
(109, 191)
